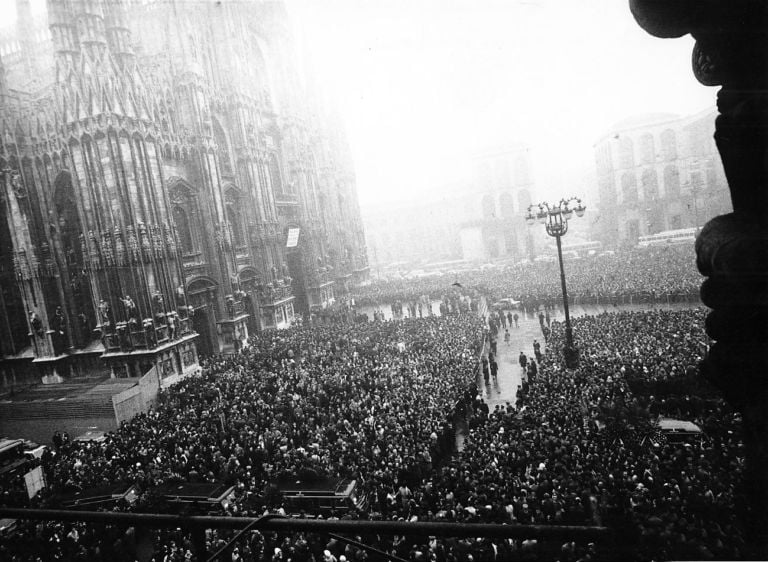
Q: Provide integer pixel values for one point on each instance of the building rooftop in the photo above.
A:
(643, 120)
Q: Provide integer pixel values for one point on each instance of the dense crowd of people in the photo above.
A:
(582, 448)
(373, 401)
(379, 401)
(638, 275)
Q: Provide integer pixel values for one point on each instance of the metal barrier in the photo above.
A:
(197, 524)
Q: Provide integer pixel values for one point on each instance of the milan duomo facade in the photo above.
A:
(157, 161)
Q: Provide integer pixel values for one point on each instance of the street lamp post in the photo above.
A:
(555, 219)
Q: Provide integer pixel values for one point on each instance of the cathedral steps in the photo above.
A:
(57, 409)
(73, 399)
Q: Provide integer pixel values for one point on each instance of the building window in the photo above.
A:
(671, 182)
(234, 202)
(668, 145)
(628, 188)
(235, 225)
(603, 159)
(647, 150)
(650, 185)
(626, 152)
(183, 230)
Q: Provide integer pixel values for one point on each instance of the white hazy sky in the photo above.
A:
(423, 84)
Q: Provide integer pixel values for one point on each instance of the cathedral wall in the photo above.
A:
(199, 115)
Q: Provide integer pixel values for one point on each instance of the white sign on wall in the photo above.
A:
(293, 238)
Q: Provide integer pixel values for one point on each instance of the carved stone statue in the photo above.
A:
(105, 313)
(131, 313)
(59, 322)
(36, 323)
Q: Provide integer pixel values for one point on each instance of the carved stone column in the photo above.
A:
(732, 250)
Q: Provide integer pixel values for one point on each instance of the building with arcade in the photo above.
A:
(658, 172)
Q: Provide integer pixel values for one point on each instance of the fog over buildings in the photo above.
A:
(382, 268)
(171, 182)
(424, 85)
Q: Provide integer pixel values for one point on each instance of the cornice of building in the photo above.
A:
(644, 122)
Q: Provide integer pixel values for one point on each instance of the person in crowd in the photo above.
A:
(636, 276)
(338, 399)
(532, 369)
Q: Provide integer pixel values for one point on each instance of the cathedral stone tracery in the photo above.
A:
(150, 172)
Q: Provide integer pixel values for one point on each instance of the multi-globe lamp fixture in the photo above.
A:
(555, 219)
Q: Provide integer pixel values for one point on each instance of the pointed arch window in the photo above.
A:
(186, 218)
(182, 228)
(236, 225)
(68, 220)
(235, 218)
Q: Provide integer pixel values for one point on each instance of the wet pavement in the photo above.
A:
(503, 389)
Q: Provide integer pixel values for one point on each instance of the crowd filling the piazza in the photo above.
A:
(201, 358)
(382, 401)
